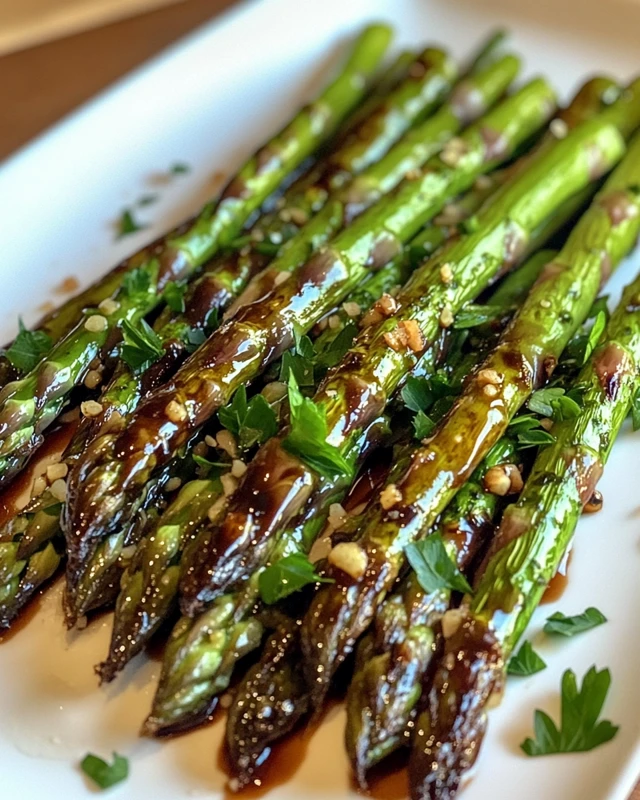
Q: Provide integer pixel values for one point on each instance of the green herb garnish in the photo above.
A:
(561, 625)
(28, 348)
(525, 662)
(471, 316)
(136, 281)
(179, 168)
(103, 774)
(307, 438)
(433, 565)
(127, 224)
(423, 426)
(600, 323)
(286, 576)
(174, 296)
(579, 729)
(141, 346)
(250, 421)
(554, 403)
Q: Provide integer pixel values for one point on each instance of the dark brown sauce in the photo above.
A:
(559, 582)
(281, 766)
(55, 443)
(285, 759)
(390, 780)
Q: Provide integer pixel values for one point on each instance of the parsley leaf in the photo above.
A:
(554, 403)
(136, 281)
(536, 437)
(600, 305)
(28, 348)
(579, 729)
(174, 296)
(179, 168)
(251, 421)
(142, 346)
(194, 338)
(525, 662)
(595, 333)
(473, 315)
(335, 350)
(561, 625)
(423, 425)
(286, 576)
(433, 565)
(300, 362)
(127, 224)
(307, 438)
(417, 394)
(105, 775)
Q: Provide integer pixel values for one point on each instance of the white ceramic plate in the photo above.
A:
(209, 101)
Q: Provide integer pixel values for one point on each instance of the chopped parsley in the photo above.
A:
(179, 168)
(28, 348)
(136, 281)
(471, 316)
(141, 345)
(599, 324)
(250, 421)
(555, 403)
(423, 425)
(127, 224)
(561, 625)
(307, 438)
(433, 565)
(579, 729)
(286, 576)
(525, 662)
(103, 774)
(174, 296)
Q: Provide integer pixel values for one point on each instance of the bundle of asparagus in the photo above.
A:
(240, 380)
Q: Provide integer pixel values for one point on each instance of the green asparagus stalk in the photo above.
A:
(30, 553)
(378, 362)
(113, 473)
(28, 406)
(523, 360)
(530, 542)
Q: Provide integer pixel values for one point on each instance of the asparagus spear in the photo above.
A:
(527, 550)
(28, 406)
(377, 363)
(523, 360)
(30, 553)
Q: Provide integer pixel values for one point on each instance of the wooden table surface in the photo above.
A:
(42, 84)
